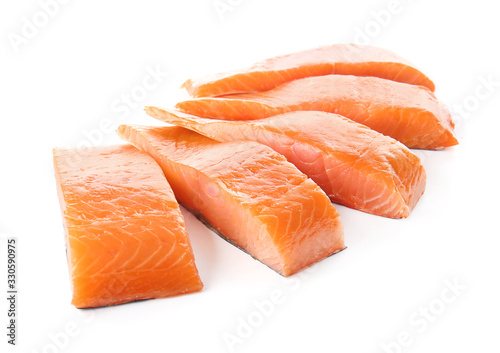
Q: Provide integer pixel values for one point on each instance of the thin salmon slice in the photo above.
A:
(345, 59)
(410, 114)
(125, 235)
(354, 165)
(249, 193)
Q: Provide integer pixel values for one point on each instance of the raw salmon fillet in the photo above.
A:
(410, 114)
(345, 59)
(354, 165)
(125, 235)
(249, 193)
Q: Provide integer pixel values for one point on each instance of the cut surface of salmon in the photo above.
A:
(249, 193)
(125, 235)
(410, 114)
(345, 59)
(354, 165)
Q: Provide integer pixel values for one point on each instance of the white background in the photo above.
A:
(59, 85)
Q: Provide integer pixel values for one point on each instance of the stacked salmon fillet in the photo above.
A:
(259, 154)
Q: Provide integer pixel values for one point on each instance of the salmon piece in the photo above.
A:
(410, 114)
(125, 235)
(249, 193)
(344, 59)
(354, 165)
